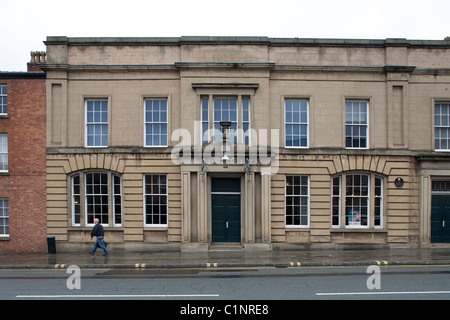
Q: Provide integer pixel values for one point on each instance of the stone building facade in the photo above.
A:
(329, 142)
(23, 214)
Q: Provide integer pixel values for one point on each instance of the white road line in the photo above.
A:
(117, 296)
(379, 293)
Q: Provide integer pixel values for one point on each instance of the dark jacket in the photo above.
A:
(97, 231)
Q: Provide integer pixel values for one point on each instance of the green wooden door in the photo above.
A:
(440, 219)
(226, 210)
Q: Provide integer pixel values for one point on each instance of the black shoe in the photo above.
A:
(90, 252)
(106, 254)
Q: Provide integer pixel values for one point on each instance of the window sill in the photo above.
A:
(4, 238)
(298, 228)
(354, 230)
(89, 228)
(156, 228)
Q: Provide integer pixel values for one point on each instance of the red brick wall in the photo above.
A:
(25, 185)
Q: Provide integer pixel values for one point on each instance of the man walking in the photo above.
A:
(98, 232)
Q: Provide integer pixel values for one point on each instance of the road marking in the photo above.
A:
(379, 293)
(118, 296)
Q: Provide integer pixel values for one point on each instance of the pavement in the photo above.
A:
(229, 258)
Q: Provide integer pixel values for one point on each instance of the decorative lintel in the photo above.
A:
(230, 85)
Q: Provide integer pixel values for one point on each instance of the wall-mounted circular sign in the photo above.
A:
(399, 182)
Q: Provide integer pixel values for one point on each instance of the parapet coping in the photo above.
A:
(251, 40)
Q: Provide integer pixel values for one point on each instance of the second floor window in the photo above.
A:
(296, 123)
(356, 124)
(3, 100)
(3, 153)
(442, 126)
(97, 123)
(225, 109)
(155, 122)
(235, 109)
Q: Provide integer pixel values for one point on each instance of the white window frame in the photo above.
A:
(115, 197)
(337, 196)
(300, 123)
(381, 197)
(371, 201)
(359, 125)
(4, 207)
(95, 123)
(237, 134)
(204, 116)
(246, 138)
(82, 199)
(3, 100)
(160, 122)
(233, 130)
(76, 200)
(93, 195)
(4, 153)
(300, 196)
(145, 194)
(353, 196)
(441, 124)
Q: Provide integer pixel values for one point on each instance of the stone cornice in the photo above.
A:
(224, 65)
(255, 40)
(200, 65)
(107, 68)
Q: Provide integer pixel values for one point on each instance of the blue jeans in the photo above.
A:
(99, 244)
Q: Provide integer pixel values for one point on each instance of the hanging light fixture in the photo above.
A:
(225, 126)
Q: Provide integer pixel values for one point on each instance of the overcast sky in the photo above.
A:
(25, 24)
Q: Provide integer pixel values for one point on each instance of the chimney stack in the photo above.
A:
(36, 57)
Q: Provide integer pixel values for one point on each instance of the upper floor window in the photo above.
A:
(3, 100)
(360, 205)
(235, 109)
(97, 123)
(442, 126)
(3, 153)
(356, 124)
(296, 123)
(97, 195)
(155, 122)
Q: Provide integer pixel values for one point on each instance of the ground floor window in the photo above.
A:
(155, 200)
(357, 201)
(4, 217)
(97, 200)
(96, 195)
(297, 201)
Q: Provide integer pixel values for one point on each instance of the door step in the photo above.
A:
(226, 247)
